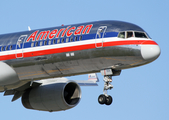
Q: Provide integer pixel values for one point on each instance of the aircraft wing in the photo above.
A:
(19, 91)
(92, 81)
(86, 83)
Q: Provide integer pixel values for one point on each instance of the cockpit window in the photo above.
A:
(121, 35)
(129, 34)
(140, 35)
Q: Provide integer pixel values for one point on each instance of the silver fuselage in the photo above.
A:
(100, 48)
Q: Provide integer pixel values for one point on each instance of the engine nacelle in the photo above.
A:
(7, 75)
(52, 97)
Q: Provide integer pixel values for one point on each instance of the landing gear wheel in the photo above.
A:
(102, 99)
(109, 100)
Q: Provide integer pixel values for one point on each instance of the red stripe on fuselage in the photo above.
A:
(78, 48)
(148, 42)
(129, 42)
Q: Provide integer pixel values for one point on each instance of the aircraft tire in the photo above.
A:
(109, 100)
(102, 99)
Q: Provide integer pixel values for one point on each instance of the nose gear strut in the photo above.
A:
(107, 84)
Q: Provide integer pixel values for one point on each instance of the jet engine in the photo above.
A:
(8, 75)
(51, 97)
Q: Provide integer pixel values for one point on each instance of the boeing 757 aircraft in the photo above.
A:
(34, 63)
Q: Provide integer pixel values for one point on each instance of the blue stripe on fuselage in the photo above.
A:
(84, 37)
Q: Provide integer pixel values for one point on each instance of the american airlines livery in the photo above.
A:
(34, 63)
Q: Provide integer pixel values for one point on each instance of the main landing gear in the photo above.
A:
(105, 98)
(108, 73)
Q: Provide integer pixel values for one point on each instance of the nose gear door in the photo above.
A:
(20, 45)
(99, 36)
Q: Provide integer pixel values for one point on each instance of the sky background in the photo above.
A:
(140, 93)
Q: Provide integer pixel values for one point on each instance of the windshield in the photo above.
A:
(129, 34)
(121, 35)
(140, 35)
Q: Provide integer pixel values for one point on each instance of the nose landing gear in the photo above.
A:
(105, 98)
(108, 73)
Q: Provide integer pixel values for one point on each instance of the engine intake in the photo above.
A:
(52, 97)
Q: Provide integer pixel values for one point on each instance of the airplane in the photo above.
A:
(34, 63)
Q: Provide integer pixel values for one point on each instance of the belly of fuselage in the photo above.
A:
(77, 62)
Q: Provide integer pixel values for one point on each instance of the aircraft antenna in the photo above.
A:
(29, 28)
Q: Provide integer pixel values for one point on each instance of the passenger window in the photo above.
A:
(129, 34)
(49, 43)
(76, 38)
(121, 35)
(36, 44)
(71, 39)
(54, 41)
(2, 48)
(62, 40)
(6, 48)
(58, 41)
(67, 39)
(41, 42)
(140, 35)
(11, 47)
(80, 38)
(32, 44)
(45, 43)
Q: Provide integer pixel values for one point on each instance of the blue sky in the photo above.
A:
(139, 93)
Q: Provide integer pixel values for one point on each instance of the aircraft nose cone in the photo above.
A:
(150, 52)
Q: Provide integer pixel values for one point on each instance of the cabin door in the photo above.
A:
(20, 46)
(99, 36)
